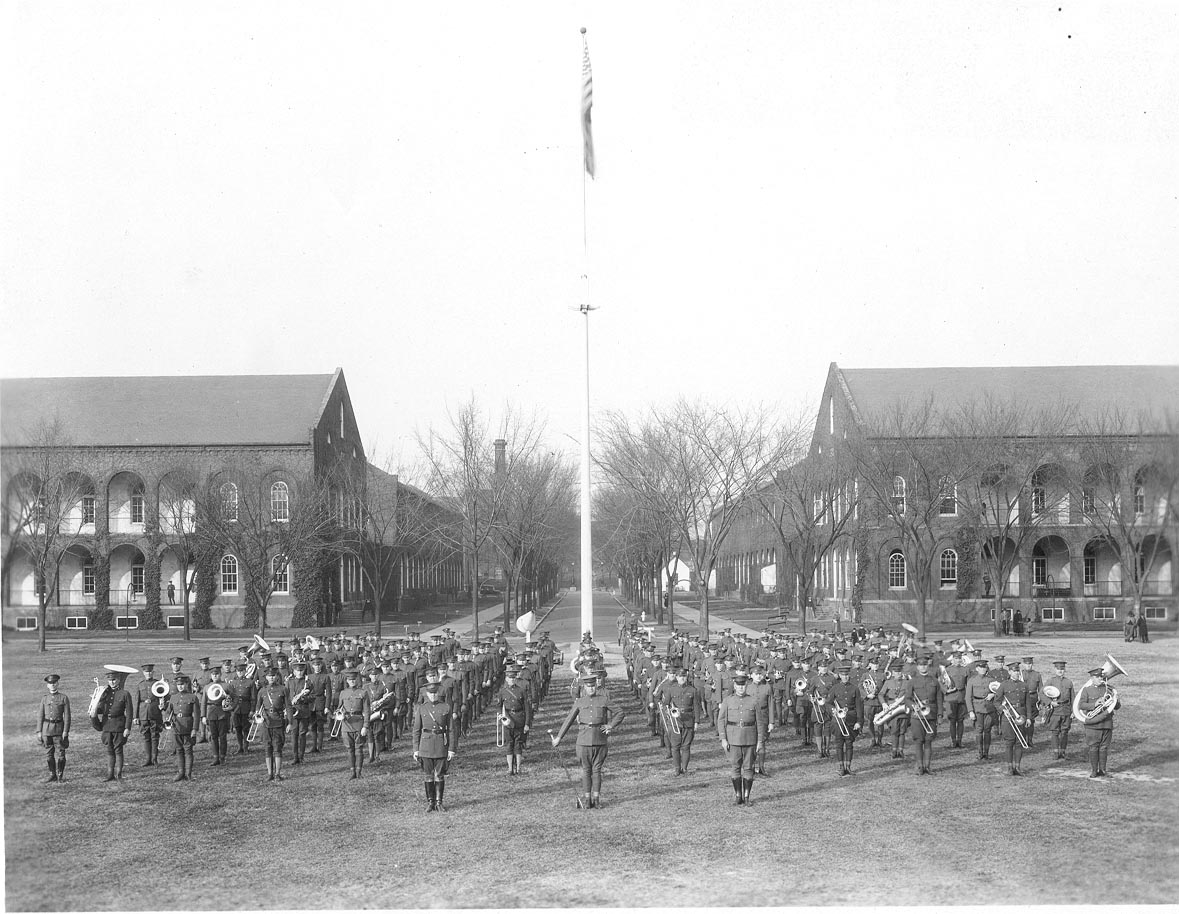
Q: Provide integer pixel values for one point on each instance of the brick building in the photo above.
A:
(1089, 532)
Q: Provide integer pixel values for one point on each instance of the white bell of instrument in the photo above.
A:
(527, 623)
(160, 688)
(260, 644)
(1051, 692)
(312, 643)
(215, 691)
(1106, 704)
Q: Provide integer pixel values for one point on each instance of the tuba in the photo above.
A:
(869, 685)
(1108, 702)
(98, 704)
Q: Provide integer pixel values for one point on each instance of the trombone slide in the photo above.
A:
(337, 723)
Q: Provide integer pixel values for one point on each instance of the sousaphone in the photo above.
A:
(1108, 702)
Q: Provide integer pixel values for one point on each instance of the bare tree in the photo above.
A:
(694, 465)
(43, 510)
(177, 524)
(639, 544)
(237, 513)
(462, 465)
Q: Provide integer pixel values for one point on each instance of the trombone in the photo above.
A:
(1016, 720)
(337, 723)
(501, 726)
(922, 709)
(840, 715)
(255, 726)
(817, 702)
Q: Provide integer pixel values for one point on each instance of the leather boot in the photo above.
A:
(278, 768)
(269, 768)
(119, 765)
(352, 761)
(52, 771)
(595, 801)
(738, 791)
(431, 797)
(110, 768)
(61, 769)
(181, 762)
(188, 765)
(747, 784)
(584, 801)
(439, 789)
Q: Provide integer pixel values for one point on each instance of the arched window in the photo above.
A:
(280, 503)
(229, 501)
(898, 495)
(229, 574)
(896, 569)
(949, 568)
(280, 570)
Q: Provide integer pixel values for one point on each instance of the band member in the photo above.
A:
(378, 700)
(760, 688)
(822, 680)
(301, 704)
(1058, 711)
(1016, 705)
(801, 701)
(273, 704)
(244, 692)
(1099, 731)
(923, 694)
(148, 715)
(597, 716)
(869, 689)
(742, 726)
(53, 727)
(435, 741)
(892, 691)
(954, 677)
(1034, 681)
(185, 710)
(215, 716)
(115, 713)
(200, 679)
(980, 707)
(846, 701)
(685, 704)
(516, 712)
(321, 699)
(353, 702)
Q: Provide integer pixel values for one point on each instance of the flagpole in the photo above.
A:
(587, 558)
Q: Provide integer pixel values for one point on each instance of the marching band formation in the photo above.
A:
(832, 690)
(365, 693)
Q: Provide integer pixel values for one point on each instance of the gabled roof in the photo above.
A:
(1148, 391)
(195, 410)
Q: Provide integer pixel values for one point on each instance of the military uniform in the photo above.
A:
(53, 728)
(516, 711)
(596, 716)
(435, 740)
(215, 715)
(981, 708)
(273, 704)
(686, 705)
(954, 681)
(923, 694)
(1099, 731)
(742, 726)
(1034, 681)
(892, 690)
(846, 696)
(820, 681)
(321, 700)
(185, 710)
(869, 690)
(353, 703)
(1017, 705)
(1058, 712)
(116, 710)
(148, 715)
(243, 691)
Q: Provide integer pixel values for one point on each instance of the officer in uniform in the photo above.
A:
(1034, 681)
(516, 711)
(1099, 731)
(981, 707)
(597, 716)
(820, 681)
(274, 705)
(353, 701)
(53, 727)
(115, 713)
(148, 714)
(185, 708)
(763, 693)
(302, 704)
(923, 694)
(215, 716)
(685, 704)
(435, 741)
(321, 699)
(892, 690)
(1016, 706)
(742, 726)
(954, 684)
(846, 701)
(869, 688)
(200, 679)
(243, 691)
(1058, 712)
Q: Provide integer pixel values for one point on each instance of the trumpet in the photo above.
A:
(255, 726)
(337, 723)
(840, 716)
(799, 685)
(1015, 719)
(922, 708)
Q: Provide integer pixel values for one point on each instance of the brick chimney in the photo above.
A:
(500, 447)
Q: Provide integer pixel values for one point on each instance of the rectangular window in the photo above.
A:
(137, 579)
(88, 579)
(26, 623)
(1087, 502)
(1038, 499)
(1039, 571)
(228, 578)
(1104, 613)
(282, 579)
(77, 622)
(87, 509)
(126, 621)
(949, 502)
(1090, 569)
(818, 509)
(175, 622)
(1052, 614)
(137, 509)
(1155, 612)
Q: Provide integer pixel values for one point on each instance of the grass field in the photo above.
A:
(232, 840)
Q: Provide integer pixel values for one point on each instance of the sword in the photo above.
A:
(565, 768)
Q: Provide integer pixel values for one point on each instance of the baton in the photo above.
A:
(568, 776)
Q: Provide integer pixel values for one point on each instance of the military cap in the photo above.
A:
(980, 662)
(843, 668)
(925, 660)
(589, 677)
(1096, 671)
(147, 667)
(1029, 659)
(1013, 665)
(1059, 663)
(271, 671)
(242, 666)
(896, 666)
(52, 677)
(999, 658)
(282, 656)
(177, 660)
(317, 659)
(298, 665)
(181, 679)
(740, 677)
(203, 660)
(352, 674)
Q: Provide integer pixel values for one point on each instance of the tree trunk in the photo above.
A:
(997, 625)
(185, 601)
(704, 607)
(475, 597)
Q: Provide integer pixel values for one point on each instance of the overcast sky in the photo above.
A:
(286, 188)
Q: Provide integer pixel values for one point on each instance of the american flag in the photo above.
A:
(587, 103)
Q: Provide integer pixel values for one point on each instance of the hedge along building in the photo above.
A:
(140, 457)
(965, 492)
